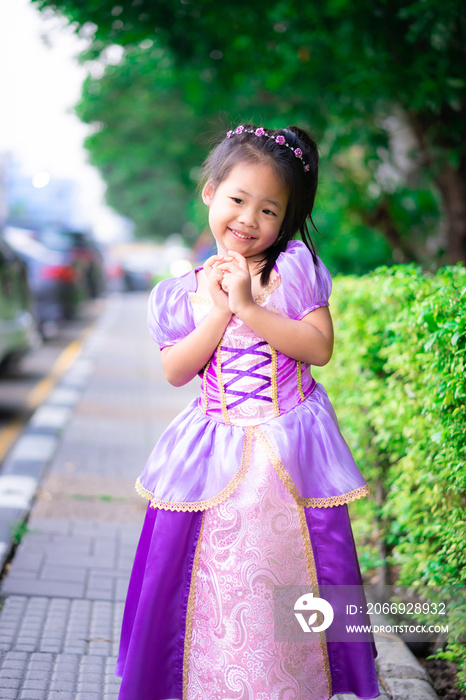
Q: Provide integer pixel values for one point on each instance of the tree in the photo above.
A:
(368, 72)
(139, 115)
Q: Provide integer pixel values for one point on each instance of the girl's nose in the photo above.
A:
(247, 217)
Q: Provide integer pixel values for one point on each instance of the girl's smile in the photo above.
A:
(239, 235)
(246, 210)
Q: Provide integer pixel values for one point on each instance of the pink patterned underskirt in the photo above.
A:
(251, 542)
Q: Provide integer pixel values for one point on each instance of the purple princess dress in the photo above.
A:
(248, 489)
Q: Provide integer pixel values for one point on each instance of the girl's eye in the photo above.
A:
(237, 200)
(269, 211)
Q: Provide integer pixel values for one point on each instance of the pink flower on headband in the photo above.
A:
(229, 134)
(298, 152)
(280, 139)
(239, 129)
(260, 131)
(306, 168)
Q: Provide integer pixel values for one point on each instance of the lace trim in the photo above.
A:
(263, 294)
(328, 502)
(194, 296)
(311, 567)
(190, 610)
(155, 502)
(268, 289)
(300, 380)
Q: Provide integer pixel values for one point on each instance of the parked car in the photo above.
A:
(56, 281)
(84, 251)
(17, 326)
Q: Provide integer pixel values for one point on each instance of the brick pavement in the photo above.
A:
(65, 589)
(64, 592)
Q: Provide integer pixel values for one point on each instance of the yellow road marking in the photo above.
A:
(61, 364)
(10, 433)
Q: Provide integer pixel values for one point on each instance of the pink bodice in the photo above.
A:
(249, 391)
(247, 382)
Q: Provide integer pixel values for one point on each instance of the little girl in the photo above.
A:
(248, 486)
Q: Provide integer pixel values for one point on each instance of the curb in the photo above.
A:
(26, 465)
(400, 674)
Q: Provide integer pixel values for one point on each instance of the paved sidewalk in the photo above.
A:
(65, 590)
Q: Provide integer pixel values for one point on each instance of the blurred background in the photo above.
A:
(109, 111)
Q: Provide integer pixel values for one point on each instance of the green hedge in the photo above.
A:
(398, 383)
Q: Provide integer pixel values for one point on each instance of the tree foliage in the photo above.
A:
(144, 141)
(384, 76)
(397, 382)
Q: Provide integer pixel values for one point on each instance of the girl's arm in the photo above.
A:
(309, 340)
(181, 362)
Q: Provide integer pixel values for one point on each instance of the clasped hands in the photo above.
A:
(229, 282)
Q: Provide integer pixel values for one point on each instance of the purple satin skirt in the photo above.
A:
(199, 621)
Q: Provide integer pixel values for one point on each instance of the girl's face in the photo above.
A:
(247, 209)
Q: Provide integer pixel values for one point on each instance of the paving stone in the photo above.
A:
(90, 678)
(13, 664)
(35, 683)
(62, 685)
(10, 682)
(38, 675)
(12, 672)
(9, 694)
(64, 573)
(16, 656)
(48, 588)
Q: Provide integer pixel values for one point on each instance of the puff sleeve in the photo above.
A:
(169, 316)
(306, 286)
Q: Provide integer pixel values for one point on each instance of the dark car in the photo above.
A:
(56, 281)
(17, 327)
(84, 251)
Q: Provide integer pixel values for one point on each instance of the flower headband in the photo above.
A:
(280, 139)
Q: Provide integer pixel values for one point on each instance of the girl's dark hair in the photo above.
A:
(301, 184)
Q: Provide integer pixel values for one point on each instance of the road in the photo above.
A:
(23, 387)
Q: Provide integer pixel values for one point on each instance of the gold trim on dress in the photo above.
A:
(223, 400)
(311, 568)
(328, 502)
(300, 380)
(234, 482)
(204, 385)
(190, 609)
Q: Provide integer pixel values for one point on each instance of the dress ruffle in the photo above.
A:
(199, 462)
